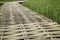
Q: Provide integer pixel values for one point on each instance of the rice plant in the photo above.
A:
(48, 8)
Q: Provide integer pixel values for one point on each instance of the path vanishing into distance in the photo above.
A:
(18, 22)
(18, 14)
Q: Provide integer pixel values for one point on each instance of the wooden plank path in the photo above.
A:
(20, 23)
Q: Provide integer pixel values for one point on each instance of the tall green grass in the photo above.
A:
(8, 0)
(48, 8)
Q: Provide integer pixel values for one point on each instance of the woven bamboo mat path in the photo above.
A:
(20, 23)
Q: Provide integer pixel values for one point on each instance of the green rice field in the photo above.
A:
(48, 8)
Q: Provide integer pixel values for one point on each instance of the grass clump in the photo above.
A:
(48, 8)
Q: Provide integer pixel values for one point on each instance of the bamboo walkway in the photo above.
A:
(20, 23)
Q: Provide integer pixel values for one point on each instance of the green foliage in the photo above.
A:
(8, 0)
(49, 8)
